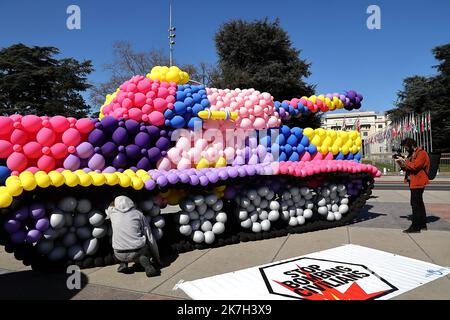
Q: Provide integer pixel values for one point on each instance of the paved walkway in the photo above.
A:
(379, 227)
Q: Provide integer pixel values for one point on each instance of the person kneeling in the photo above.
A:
(132, 238)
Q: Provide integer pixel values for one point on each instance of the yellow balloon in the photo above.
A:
(124, 180)
(14, 186)
(111, 179)
(345, 150)
(221, 162)
(316, 140)
(71, 179)
(358, 142)
(313, 99)
(137, 183)
(335, 149)
(5, 198)
(338, 142)
(332, 134)
(344, 135)
(324, 149)
(98, 179)
(57, 178)
(42, 179)
(322, 132)
(28, 183)
(140, 173)
(85, 179)
(353, 135)
(309, 132)
(327, 141)
(203, 163)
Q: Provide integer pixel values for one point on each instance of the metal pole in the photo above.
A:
(170, 33)
(431, 133)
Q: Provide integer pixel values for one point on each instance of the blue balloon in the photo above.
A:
(312, 149)
(179, 107)
(292, 140)
(300, 148)
(349, 156)
(197, 108)
(286, 131)
(357, 156)
(180, 96)
(197, 98)
(298, 132)
(177, 122)
(340, 156)
(304, 141)
(188, 101)
(280, 140)
(168, 114)
(265, 140)
(282, 156)
(285, 105)
(294, 157)
(288, 149)
(193, 121)
(4, 174)
(205, 103)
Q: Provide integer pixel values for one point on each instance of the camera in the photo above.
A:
(397, 155)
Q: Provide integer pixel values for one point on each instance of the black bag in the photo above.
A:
(435, 159)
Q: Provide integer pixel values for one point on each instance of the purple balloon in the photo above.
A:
(162, 143)
(120, 136)
(143, 140)
(173, 178)
(162, 181)
(233, 172)
(154, 154)
(153, 131)
(12, 226)
(120, 161)
(144, 164)
(109, 124)
(194, 180)
(22, 213)
(132, 126)
(204, 180)
(18, 237)
(42, 224)
(223, 175)
(250, 170)
(213, 176)
(132, 151)
(72, 162)
(184, 177)
(242, 172)
(33, 236)
(109, 149)
(85, 150)
(97, 137)
(150, 184)
(37, 210)
(97, 162)
(109, 169)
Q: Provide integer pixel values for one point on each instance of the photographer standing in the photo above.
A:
(416, 166)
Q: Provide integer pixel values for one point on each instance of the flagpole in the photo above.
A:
(431, 132)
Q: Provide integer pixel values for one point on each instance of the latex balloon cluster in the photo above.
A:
(120, 144)
(354, 186)
(255, 109)
(257, 209)
(190, 100)
(40, 143)
(339, 143)
(201, 218)
(152, 211)
(169, 74)
(75, 230)
(332, 201)
(325, 102)
(297, 205)
(27, 224)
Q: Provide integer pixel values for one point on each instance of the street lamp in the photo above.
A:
(172, 34)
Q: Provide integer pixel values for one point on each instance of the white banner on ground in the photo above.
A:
(349, 272)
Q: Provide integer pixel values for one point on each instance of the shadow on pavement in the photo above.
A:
(430, 219)
(366, 214)
(32, 285)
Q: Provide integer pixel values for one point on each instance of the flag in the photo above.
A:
(343, 124)
(422, 124)
(429, 120)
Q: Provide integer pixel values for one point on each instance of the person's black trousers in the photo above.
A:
(419, 215)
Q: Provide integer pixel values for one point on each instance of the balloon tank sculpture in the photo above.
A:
(221, 161)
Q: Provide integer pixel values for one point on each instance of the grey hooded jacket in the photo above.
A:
(130, 227)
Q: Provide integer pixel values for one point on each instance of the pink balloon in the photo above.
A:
(184, 164)
(246, 123)
(127, 103)
(32, 150)
(71, 137)
(164, 164)
(46, 163)
(156, 118)
(59, 150)
(329, 156)
(17, 161)
(59, 123)
(31, 123)
(84, 125)
(6, 148)
(135, 114)
(160, 104)
(6, 125)
(139, 99)
(19, 136)
(306, 156)
(32, 169)
(46, 137)
(144, 85)
(259, 124)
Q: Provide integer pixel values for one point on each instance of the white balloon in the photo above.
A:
(270, 195)
(57, 219)
(293, 221)
(198, 237)
(67, 204)
(344, 201)
(254, 216)
(146, 205)
(292, 212)
(247, 223)
(297, 198)
(322, 201)
(285, 215)
(80, 220)
(252, 194)
(264, 204)
(295, 191)
(343, 209)
(90, 246)
(83, 233)
(256, 227)
(201, 209)
(69, 239)
(257, 201)
(341, 188)
(96, 218)
(309, 205)
(299, 211)
(265, 225)
(243, 215)
(322, 210)
(75, 252)
(274, 205)
(330, 216)
(209, 214)
(100, 231)
(195, 224)
(211, 199)
(185, 229)
(187, 205)
(218, 205)
(199, 200)
(206, 226)
(221, 217)
(308, 196)
(307, 213)
(337, 216)
(329, 206)
(274, 215)
(159, 222)
(333, 187)
(245, 202)
(290, 203)
(157, 233)
(182, 218)
(45, 246)
(218, 227)
(304, 191)
(335, 208)
(325, 192)
(57, 253)
(194, 215)
(209, 237)
(301, 220)
(263, 215)
(286, 195)
(263, 191)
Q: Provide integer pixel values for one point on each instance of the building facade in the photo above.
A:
(368, 122)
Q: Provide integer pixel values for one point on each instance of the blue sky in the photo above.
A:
(331, 34)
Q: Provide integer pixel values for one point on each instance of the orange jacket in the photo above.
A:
(418, 168)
